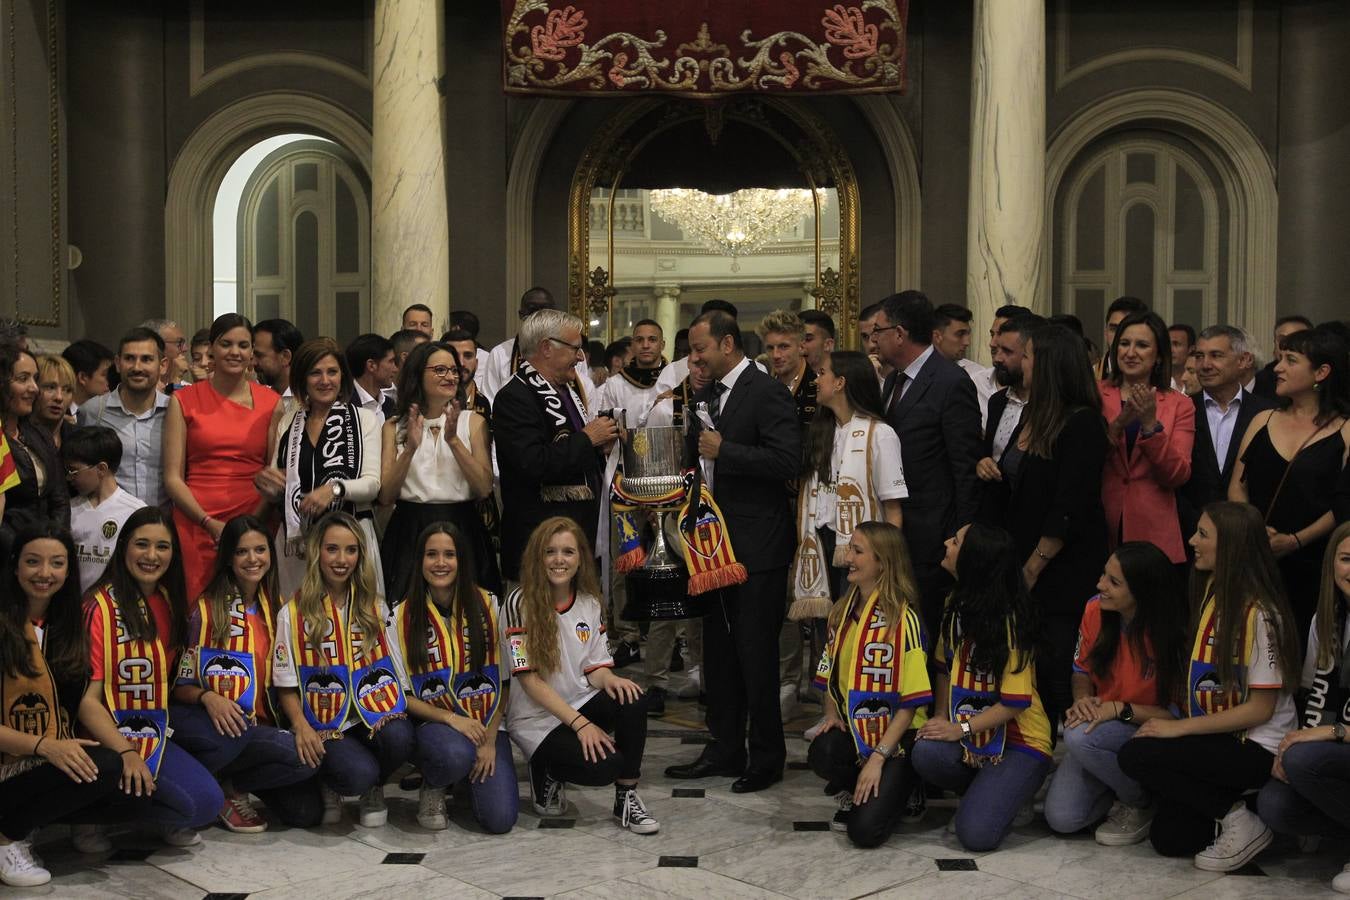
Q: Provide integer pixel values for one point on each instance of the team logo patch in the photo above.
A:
(227, 676)
(143, 733)
(475, 693)
(583, 632)
(871, 718)
(433, 690)
(378, 691)
(810, 568)
(109, 530)
(326, 697)
(30, 714)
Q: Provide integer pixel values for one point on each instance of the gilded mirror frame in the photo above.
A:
(811, 143)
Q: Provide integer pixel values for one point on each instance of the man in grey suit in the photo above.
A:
(932, 405)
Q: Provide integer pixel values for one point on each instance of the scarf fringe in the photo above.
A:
(804, 608)
(386, 719)
(723, 577)
(631, 560)
(978, 760)
(564, 493)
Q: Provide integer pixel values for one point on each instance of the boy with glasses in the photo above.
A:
(98, 507)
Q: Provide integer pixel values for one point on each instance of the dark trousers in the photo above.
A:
(560, 753)
(1194, 780)
(833, 756)
(740, 670)
(45, 794)
(360, 760)
(1054, 671)
(1317, 798)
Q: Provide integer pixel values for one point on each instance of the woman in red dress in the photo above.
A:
(215, 441)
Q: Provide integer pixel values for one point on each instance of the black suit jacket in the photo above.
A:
(994, 494)
(387, 404)
(1209, 482)
(25, 505)
(761, 451)
(938, 421)
(529, 459)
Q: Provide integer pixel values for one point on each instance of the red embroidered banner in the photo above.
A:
(703, 48)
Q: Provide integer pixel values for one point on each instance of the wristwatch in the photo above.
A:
(1126, 713)
(339, 489)
(965, 727)
(886, 752)
(1338, 733)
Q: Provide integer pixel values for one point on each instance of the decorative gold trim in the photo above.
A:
(54, 170)
(1239, 70)
(818, 153)
(200, 79)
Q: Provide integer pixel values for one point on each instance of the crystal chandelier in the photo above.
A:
(734, 224)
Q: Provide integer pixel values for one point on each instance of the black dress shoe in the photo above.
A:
(656, 702)
(701, 768)
(754, 781)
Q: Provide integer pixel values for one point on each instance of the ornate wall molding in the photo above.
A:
(1239, 70)
(51, 48)
(1246, 171)
(200, 166)
(902, 160)
(200, 78)
(528, 155)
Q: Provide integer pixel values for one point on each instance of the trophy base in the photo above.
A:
(660, 594)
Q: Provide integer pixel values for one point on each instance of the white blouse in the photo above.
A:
(434, 475)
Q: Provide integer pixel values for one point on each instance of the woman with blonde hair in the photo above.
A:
(569, 698)
(56, 388)
(335, 673)
(872, 709)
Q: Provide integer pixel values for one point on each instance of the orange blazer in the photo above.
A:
(1139, 488)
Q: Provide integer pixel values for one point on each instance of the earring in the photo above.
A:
(1317, 386)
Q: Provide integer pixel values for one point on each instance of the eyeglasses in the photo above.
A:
(575, 348)
(878, 330)
(443, 372)
(71, 473)
(181, 343)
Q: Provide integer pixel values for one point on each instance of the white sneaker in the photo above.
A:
(840, 820)
(1242, 835)
(787, 700)
(431, 808)
(89, 839)
(374, 813)
(332, 806)
(811, 733)
(1124, 825)
(18, 868)
(1341, 883)
(693, 686)
(180, 837)
(632, 814)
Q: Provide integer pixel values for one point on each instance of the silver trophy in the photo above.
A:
(653, 475)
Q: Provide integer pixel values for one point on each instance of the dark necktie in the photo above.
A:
(900, 379)
(715, 408)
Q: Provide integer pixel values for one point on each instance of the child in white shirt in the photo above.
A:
(98, 507)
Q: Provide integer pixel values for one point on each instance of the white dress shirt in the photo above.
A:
(1222, 422)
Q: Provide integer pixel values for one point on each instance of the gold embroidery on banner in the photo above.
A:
(554, 55)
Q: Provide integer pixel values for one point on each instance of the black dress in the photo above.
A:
(1061, 497)
(1307, 495)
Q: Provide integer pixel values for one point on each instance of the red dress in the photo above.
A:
(226, 446)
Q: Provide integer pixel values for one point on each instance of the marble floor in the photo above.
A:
(712, 844)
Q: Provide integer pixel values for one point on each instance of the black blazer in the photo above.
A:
(387, 404)
(994, 494)
(24, 504)
(938, 421)
(760, 453)
(1209, 483)
(528, 459)
(1061, 497)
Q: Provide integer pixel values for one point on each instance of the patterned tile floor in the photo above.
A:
(712, 844)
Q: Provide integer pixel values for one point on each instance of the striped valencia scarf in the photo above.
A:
(237, 671)
(30, 705)
(445, 680)
(135, 679)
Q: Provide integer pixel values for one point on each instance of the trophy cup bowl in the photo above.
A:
(653, 470)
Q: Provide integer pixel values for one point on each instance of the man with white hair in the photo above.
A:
(504, 359)
(549, 450)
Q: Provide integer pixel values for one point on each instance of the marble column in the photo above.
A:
(410, 232)
(1005, 236)
(1314, 146)
(808, 295)
(668, 313)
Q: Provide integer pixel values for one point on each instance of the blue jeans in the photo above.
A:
(446, 757)
(1317, 798)
(360, 760)
(990, 796)
(1089, 778)
(260, 758)
(186, 795)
